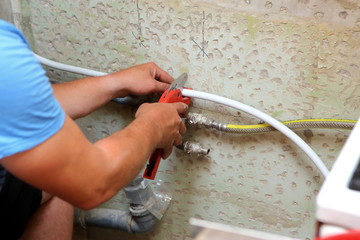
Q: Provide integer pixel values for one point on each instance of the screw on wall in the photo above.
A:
(202, 47)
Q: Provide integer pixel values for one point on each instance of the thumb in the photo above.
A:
(181, 107)
(161, 87)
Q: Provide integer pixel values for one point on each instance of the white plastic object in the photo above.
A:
(336, 203)
(69, 68)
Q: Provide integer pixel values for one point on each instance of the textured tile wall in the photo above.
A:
(5, 10)
(290, 59)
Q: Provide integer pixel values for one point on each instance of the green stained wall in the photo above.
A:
(290, 59)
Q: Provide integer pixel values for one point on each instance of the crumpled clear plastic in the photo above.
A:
(153, 196)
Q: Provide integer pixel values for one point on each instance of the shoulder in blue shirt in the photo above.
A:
(29, 112)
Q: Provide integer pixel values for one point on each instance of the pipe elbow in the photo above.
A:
(142, 224)
(116, 219)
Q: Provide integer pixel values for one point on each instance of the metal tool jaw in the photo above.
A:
(173, 94)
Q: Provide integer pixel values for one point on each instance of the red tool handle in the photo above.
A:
(152, 167)
(154, 161)
(173, 96)
(355, 235)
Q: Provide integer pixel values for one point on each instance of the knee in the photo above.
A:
(45, 197)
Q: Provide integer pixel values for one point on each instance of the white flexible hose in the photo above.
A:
(268, 119)
(214, 98)
(69, 68)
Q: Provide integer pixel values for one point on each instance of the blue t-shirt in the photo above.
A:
(29, 112)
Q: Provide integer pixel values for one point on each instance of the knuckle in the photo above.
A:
(143, 106)
(179, 121)
(154, 86)
(179, 140)
(151, 64)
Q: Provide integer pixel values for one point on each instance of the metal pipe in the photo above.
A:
(193, 148)
(200, 120)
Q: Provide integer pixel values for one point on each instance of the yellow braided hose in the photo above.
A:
(293, 124)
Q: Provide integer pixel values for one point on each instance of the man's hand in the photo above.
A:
(97, 171)
(165, 118)
(138, 80)
(141, 80)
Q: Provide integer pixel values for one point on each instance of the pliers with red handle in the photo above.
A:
(172, 95)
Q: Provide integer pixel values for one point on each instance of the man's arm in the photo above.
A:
(69, 166)
(81, 97)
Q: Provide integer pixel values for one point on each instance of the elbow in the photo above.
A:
(95, 197)
(105, 180)
(77, 114)
(99, 186)
(90, 204)
(87, 205)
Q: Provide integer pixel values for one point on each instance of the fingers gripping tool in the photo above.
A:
(171, 95)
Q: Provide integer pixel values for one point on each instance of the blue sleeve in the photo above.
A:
(29, 112)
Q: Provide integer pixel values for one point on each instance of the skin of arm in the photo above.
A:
(84, 174)
(81, 97)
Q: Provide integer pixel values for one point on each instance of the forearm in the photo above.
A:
(122, 156)
(67, 165)
(80, 97)
(82, 173)
(119, 158)
(127, 151)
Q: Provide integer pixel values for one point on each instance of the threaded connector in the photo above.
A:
(199, 120)
(193, 148)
